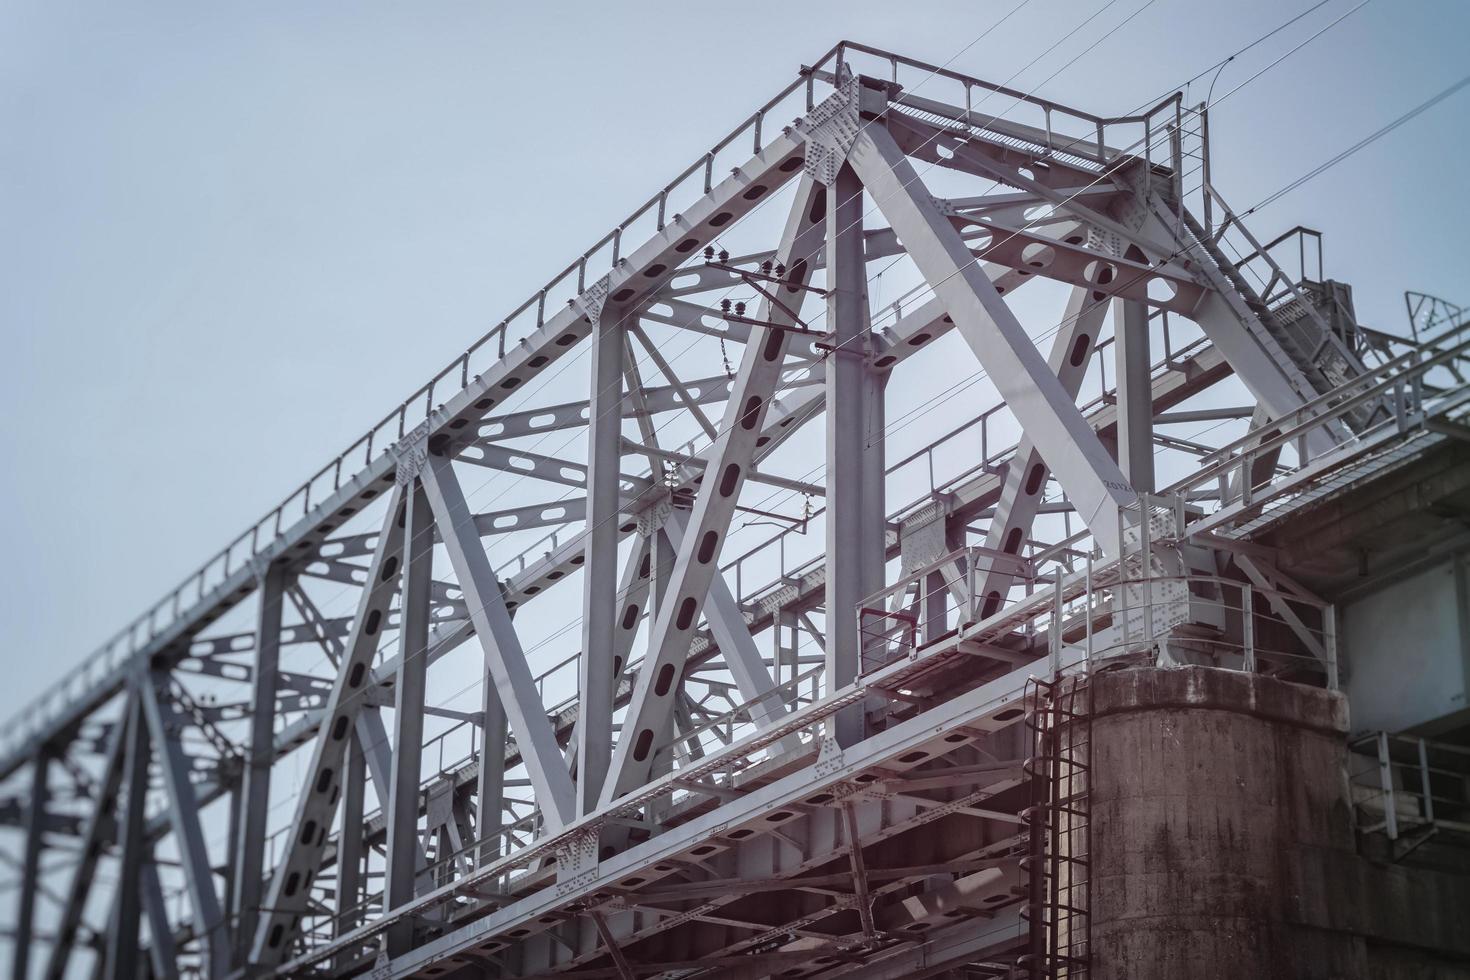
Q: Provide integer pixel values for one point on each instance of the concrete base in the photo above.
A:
(1223, 844)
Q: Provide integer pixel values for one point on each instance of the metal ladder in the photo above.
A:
(1059, 853)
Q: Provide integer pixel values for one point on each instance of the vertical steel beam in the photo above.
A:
(317, 802)
(351, 843)
(847, 473)
(249, 848)
(491, 796)
(232, 866)
(99, 822)
(661, 556)
(408, 715)
(31, 862)
(874, 545)
(730, 459)
(1042, 408)
(165, 727)
(1135, 393)
(1027, 473)
(595, 671)
(123, 933)
(505, 660)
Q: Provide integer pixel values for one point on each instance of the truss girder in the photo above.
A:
(1087, 473)
(730, 459)
(699, 630)
(639, 273)
(286, 898)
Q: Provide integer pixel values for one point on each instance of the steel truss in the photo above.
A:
(777, 738)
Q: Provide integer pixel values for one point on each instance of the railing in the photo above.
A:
(1134, 608)
(1409, 787)
(1292, 258)
(891, 621)
(1050, 125)
(1414, 387)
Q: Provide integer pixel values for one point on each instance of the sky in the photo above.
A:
(237, 234)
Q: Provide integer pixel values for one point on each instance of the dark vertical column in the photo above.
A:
(494, 730)
(122, 939)
(247, 869)
(595, 680)
(847, 464)
(1135, 394)
(31, 863)
(350, 845)
(408, 715)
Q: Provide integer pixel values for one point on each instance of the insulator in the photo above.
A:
(766, 267)
(780, 270)
(724, 255)
(739, 309)
(724, 306)
(709, 253)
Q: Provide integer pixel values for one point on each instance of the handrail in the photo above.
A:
(1329, 406)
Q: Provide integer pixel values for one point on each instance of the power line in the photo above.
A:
(1373, 137)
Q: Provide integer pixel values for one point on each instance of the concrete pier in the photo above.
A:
(1223, 842)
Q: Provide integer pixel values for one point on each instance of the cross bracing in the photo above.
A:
(569, 666)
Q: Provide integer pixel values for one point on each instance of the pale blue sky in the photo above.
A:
(236, 234)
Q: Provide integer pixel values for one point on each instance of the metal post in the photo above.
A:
(874, 507)
(1057, 611)
(1329, 642)
(1088, 588)
(491, 798)
(408, 716)
(846, 469)
(350, 845)
(232, 836)
(1424, 783)
(249, 846)
(1248, 627)
(1385, 780)
(1135, 393)
(595, 679)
